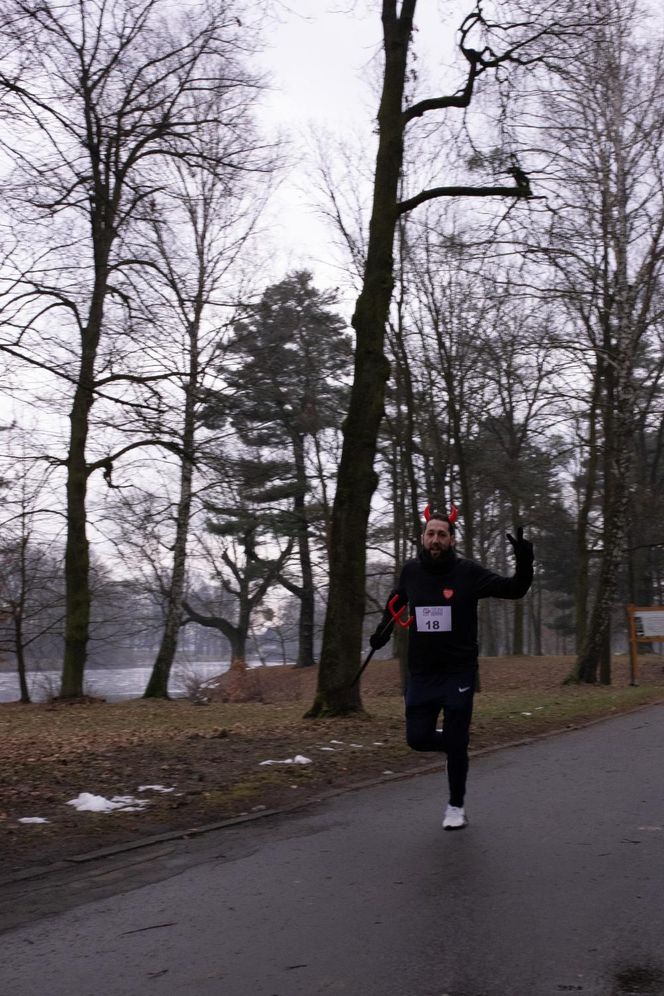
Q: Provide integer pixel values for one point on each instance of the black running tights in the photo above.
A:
(426, 697)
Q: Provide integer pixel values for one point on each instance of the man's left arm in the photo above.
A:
(516, 586)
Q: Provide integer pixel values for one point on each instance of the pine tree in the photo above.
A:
(285, 395)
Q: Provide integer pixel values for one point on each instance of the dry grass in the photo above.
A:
(211, 755)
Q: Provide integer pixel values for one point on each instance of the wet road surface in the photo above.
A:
(556, 886)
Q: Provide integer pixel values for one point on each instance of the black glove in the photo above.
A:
(523, 548)
(381, 636)
(383, 630)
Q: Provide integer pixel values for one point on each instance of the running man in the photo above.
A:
(441, 590)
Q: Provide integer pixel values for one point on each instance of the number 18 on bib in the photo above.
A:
(433, 618)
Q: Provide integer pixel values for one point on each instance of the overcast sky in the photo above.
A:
(319, 69)
(322, 59)
(320, 56)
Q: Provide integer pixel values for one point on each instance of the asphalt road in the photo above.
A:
(556, 886)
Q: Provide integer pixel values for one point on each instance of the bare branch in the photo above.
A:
(519, 192)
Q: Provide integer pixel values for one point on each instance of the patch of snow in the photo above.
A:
(32, 819)
(155, 788)
(86, 802)
(298, 759)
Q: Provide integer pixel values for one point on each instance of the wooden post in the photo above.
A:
(633, 651)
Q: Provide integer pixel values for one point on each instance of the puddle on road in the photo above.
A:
(638, 980)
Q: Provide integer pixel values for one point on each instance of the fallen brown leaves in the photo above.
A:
(211, 755)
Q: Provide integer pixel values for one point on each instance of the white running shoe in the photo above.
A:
(455, 818)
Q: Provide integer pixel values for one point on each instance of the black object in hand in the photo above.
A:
(380, 637)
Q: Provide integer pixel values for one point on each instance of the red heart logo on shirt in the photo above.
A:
(448, 592)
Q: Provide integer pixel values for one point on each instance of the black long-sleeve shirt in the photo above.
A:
(442, 596)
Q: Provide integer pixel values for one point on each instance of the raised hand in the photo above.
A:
(523, 548)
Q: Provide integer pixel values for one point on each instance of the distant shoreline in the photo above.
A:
(8, 667)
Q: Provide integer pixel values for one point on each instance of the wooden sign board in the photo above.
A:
(645, 625)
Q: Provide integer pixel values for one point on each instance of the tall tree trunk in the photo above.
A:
(618, 421)
(305, 648)
(488, 638)
(20, 659)
(18, 614)
(518, 613)
(594, 651)
(463, 470)
(157, 686)
(357, 480)
(408, 520)
(77, 549)
(582, 584)
(518, 619)
(403, 434)
(536, 621)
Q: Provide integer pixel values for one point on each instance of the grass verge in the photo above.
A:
(211, 758)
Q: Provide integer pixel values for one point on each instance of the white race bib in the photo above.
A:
(433, 618)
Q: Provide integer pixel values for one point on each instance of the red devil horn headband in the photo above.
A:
(452, 517)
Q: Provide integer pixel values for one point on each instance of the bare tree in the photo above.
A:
(97, 99)
(31, 589)
(453, 316)
(497, 45)
(243, 574)
(606, 244)
(215, 224)
(356, 483)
